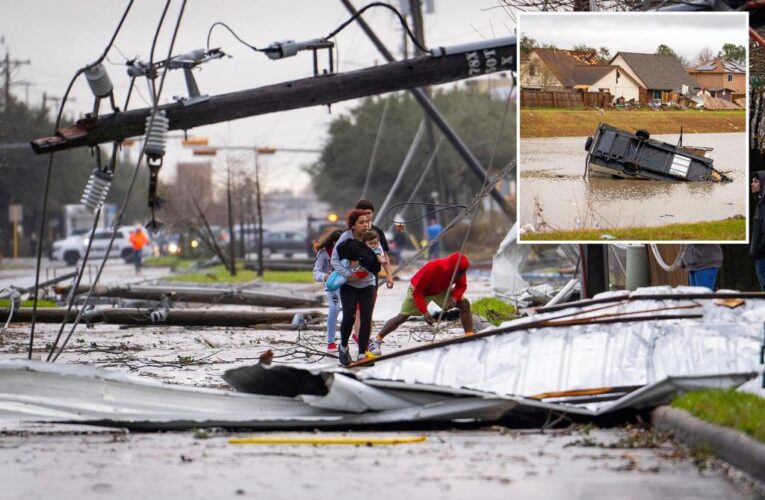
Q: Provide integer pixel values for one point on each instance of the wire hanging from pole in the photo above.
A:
(477, 198)
(126, 198)
(404, 167)
(487, 185)
(46, 192)
(374, 149)
(439, 208)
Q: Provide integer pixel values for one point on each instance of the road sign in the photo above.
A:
(14, 213)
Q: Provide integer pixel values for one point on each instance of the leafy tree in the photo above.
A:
(583, 48)
(601, 53)
(527, 44)
(733, 52)
(23, 176)
(339, 174)
(665, 50)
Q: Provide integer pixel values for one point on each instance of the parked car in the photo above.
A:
(284, 242)
(72, 248)
(249, 234)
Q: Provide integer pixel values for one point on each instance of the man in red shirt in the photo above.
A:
(432, 283)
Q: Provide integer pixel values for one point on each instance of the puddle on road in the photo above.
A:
(551, 174)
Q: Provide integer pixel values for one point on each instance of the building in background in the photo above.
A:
(720, 78)
(658, 76)
(287, 210)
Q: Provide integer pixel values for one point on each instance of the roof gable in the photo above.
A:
(657, 72)
(562, 64)
(718, 65)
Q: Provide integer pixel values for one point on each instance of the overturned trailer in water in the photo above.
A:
(617, 153)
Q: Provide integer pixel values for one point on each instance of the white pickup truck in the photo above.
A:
(72, 248)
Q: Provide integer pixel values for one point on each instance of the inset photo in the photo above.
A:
(633, 127)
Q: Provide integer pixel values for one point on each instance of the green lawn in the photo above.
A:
(219, 274)
(575, 122)
(722, 230)
(493, 309)
(168, 261)
(742, 411)
(29, 303)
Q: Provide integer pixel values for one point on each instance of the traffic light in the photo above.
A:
(332, 217)
(266, 150)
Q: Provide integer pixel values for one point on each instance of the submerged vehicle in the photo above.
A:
(617, 153)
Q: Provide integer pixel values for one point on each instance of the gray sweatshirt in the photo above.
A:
(322, 265)
(698, 257)
(369, 280)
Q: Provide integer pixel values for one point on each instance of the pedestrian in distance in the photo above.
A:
(138, 240)
(703, 263)
(442, 281)
(757, 246)
(399, 242)
(32, 244)
(322, 269)
(359, 289)
(433, 231)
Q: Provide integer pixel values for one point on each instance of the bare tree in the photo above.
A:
(705, 55)
(535, 74)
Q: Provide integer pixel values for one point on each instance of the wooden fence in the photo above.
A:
(545, 99)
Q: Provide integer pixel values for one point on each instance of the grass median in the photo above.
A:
(557, 122)
(723, 230)
(41, 303)
(742, 411)
(168, 261)
(220, 274)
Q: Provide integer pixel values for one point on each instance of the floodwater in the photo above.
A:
(553, 191)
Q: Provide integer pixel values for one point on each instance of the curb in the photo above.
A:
(734, 447)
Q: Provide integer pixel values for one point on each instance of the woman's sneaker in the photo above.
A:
(375, 347)
(344, 354)
(332, 348)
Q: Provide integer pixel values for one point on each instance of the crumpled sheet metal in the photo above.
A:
(648, 396)
(45, 392)
(551, 359)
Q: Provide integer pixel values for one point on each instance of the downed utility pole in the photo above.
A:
(448, 65)
(173, 317)
(489, 60)
(199, 294)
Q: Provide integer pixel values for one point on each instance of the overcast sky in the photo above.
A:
(61, 36)
(685, 33)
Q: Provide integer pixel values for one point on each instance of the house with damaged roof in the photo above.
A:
(658, 76)
(563, 70)
(720, 78)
